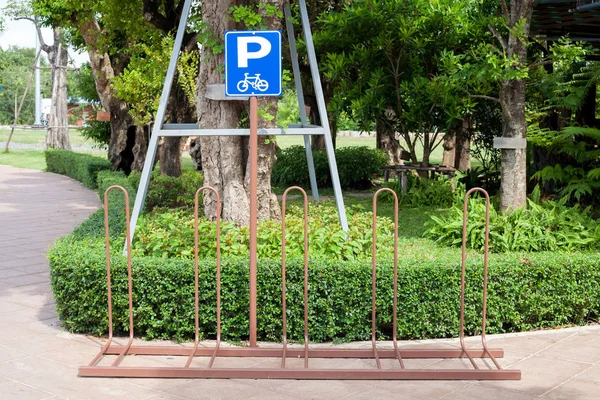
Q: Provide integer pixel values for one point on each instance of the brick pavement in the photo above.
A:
(39, 360)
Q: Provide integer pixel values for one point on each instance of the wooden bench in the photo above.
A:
(402, 170)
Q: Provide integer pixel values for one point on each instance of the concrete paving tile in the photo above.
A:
(7, 306)
(67, 384)
(74, 355)
(207, 388)
(378, 393)
(19, 391)
(35, 269)
(530, 383)
(26, 280)
(323, 389)
(575, 390)
(591, 374)
(10, 273)
(525, 345)
(166, 397)
(27, 367)
(422, 389)
(550, 366)
(575, 351)
(477, 391)
(8, 354)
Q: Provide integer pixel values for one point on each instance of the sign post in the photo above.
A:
(253, 68)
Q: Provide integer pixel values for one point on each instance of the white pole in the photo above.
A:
(38, 92)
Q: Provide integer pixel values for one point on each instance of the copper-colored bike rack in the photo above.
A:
(399, 371)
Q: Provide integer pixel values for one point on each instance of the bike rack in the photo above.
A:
(309, 354)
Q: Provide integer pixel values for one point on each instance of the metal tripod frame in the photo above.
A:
(305, 129)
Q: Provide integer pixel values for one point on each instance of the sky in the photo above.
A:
(22, 34)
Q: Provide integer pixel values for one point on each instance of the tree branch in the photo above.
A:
(498, 36)
(478, 96)
(538, 63)
(505, 12)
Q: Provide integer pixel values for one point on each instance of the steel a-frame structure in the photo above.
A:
(305, 129)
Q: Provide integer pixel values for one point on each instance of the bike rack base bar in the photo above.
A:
(298, 373)
(315, 374)
(299, 352)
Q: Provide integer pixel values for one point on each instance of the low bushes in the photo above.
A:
(168, 191)
(81, 167)
(547, 226)
(525, 292)
(356, 166)
(170, 233)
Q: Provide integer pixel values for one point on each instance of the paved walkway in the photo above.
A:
(38, 360)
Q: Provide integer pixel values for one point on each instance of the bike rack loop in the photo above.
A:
(282, 372)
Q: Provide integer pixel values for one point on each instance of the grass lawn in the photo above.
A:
(31, 159)
(38, 136)
(34, 158)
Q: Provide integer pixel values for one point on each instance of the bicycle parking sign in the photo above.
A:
(252, 63)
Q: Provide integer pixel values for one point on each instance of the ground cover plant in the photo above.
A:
(543, 226)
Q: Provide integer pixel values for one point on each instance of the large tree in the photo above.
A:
(225, 159)
(113, 42)
(58, 124)
(385, 61)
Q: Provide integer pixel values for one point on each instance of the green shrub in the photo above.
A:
(97, 131)
(422, 192)
(356, 166)
(81, 167)
(525, 292)
(549, 226)
(168, 191)
(170, 233)
(93, 227)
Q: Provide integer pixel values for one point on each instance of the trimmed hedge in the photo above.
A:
(81, 167)
(541, 291)
(357, 165)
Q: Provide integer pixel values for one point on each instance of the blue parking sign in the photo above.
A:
(252, 63)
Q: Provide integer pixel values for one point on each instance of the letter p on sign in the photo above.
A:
(253, 63)
(244, 54)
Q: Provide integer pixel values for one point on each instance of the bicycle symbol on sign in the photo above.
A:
(252, 81)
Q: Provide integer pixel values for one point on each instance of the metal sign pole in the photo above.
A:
(253, 213)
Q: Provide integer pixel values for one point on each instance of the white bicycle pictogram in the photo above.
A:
(254, 82)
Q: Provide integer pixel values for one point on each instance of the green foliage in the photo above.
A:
(357, 165)
(547, 226)
(525, 292)
(93, 227)
(82, 85)
(81, 167)
(170, 234)
(97, 131)
(422, 192)
(252, 15)
(578, 175)
(385, 60)
(15, 70)
(168, 191)
(141, 82)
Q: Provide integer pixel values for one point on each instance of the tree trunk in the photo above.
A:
(449, 149)
(386, 141)
(462, 159)
(513, 186)
(170, 156)
(223, 157)
(120, 120)
(57, 136)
